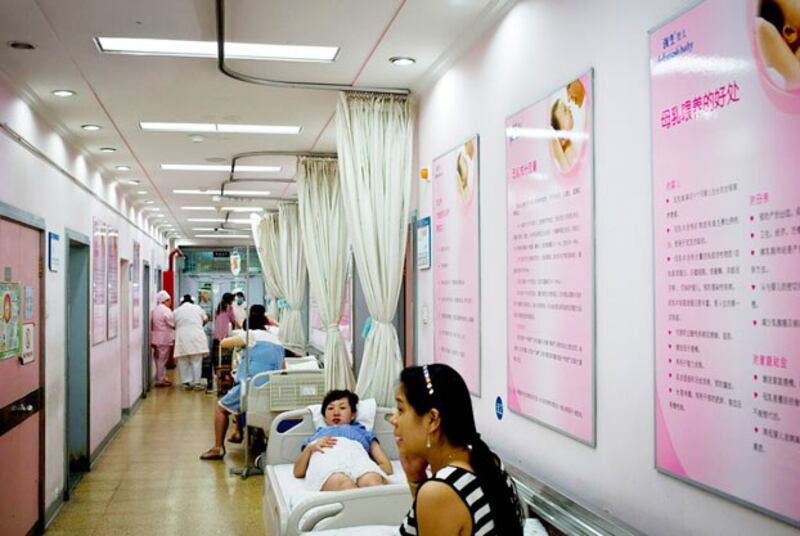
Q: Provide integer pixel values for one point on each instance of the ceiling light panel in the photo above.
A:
(243, 193)
(156, 126)
(219, 167)
(222, 236)
(208, 49)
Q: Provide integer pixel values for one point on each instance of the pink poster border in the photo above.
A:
(656, 413)
(476, 136)
(593, 443)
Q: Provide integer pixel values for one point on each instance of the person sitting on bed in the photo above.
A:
(337, 456)
(266, 354)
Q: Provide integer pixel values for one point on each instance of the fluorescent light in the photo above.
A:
(213, 127)
(222, 236)
(228, 209)
(259, 129)
(91, 127)
(133, 182)
(149, 202)
(202, 228)
(141, 192)
(107, 149)
(245, 193)
(207, 220)
(208, 49)
(123, 168)
(217, 167)
(63, 93)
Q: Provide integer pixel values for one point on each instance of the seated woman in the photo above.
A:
(266, 354)
(337, 457)
(434, 427)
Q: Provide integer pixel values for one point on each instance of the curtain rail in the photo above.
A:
(236, 75)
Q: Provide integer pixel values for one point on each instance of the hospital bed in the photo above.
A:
(290, 509)
(300, 384)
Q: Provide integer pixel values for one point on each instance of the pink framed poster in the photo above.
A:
(136, 285)
(550, 280)
(725, 115)
(456, 262)
(112, 241)
(99, 282)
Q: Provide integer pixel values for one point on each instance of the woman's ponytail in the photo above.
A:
(498, 488)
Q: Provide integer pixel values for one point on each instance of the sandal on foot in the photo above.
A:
(213, 453)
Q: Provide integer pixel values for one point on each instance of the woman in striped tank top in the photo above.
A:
(469, 493)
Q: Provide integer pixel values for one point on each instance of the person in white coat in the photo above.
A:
(191, 344)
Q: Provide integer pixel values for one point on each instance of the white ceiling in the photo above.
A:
(118, 91)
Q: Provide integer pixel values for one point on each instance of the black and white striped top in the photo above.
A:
(466, 485)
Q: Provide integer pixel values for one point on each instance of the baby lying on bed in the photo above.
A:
(342, 454)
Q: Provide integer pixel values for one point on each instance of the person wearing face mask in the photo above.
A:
(434, 428)
(239, 307)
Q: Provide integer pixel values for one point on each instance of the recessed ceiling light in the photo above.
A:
(63, 93)
(208, 49)
(107, 149)
(159, 216)
(21, 45)
(141, 192)
(222, 236)
(149, 202)
(402, 60)
(132, 182)
(123, 168)
(91, 127)
(156, 126)
(197, 138)
(213, 167)
(217, 193)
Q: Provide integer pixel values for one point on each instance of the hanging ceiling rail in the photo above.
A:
(232, 73)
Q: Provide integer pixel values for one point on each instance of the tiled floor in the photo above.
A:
(150, 481)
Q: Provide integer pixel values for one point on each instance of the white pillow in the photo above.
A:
(301, 363)
(365, 414)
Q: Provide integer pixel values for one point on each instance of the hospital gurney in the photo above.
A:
(290, 509)
(300, 384)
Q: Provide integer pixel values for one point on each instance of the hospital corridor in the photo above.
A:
(399, 267)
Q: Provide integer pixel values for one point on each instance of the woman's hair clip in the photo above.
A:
(428, 382)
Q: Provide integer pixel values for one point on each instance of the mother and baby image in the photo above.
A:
(777, 31)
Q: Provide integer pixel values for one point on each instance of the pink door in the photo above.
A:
(20, 394)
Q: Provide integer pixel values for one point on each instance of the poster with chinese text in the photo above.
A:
(99, 283)
(10, 320)
(113, 282)
(456, 262)
(550, 279)
(725, 116)
(136, 285)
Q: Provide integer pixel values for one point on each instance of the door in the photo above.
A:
(145, 329)
(124, 334)
(20, 379)
(77, 367)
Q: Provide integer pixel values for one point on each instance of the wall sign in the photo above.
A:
(99, 283)
(725, 115)
(53, 251)
(456, 273)
(424, 243)
(112, 238)
(28, 344)
(10, 320)
(136, 265)
(550, 280)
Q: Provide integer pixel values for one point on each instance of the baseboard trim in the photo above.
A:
(127, 412)
(53, 510)
(104, 444)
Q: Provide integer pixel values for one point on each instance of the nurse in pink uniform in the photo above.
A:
(162, 335)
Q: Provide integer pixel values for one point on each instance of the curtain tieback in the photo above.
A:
(332, 328)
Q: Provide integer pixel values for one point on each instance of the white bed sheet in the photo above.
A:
(294, 489)
(533, 527)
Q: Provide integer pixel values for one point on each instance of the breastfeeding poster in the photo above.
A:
(113, 282)
(725, 79)
(456, 262)
(99, 282)
(137, 291)
(550, 245)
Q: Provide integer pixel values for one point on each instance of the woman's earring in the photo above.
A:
(428, 442)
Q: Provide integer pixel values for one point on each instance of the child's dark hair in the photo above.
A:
(336, 394)
(451, 397)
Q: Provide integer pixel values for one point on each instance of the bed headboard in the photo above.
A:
(284, 447)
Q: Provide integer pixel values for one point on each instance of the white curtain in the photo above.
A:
(265, 235)
(374, 139)
(324, 228)
(293, 276)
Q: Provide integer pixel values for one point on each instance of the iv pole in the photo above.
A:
(246, 470)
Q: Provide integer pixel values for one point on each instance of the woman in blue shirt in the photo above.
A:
(342, 454)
